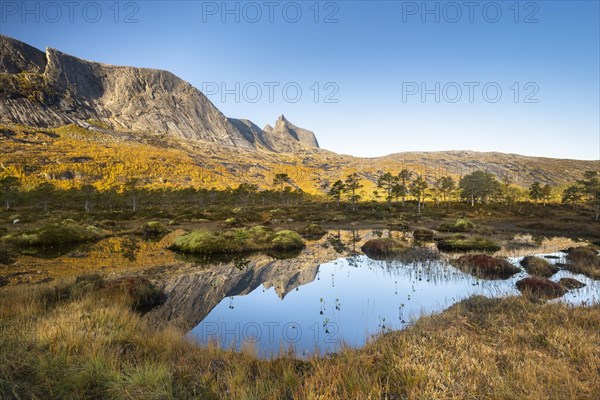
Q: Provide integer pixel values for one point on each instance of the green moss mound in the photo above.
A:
(460, 225)
(461, 244)
(287, 240)
(237, 241)
(55, 235)
(154, 228)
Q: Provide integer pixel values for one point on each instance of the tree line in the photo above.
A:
(478, 187)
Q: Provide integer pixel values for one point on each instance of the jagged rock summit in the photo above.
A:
(284, 129)
(53, 88)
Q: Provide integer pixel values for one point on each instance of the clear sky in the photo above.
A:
(370, 60)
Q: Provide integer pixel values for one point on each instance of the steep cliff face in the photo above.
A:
(59, 89)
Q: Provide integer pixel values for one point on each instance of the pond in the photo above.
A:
(350, 300)
(327, 296)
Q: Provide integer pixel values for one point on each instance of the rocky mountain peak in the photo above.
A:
(16, 57)
(285, 129)
(124, 99)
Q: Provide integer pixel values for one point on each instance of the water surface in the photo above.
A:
(350, 300)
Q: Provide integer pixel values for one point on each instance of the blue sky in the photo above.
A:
(369, 60)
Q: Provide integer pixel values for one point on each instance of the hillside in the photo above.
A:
(73, 122)
(54, 89)
(71, 156)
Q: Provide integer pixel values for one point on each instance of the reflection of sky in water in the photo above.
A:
(353, 299)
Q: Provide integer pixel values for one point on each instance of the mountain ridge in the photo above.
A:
(121, 97)
(91, 107)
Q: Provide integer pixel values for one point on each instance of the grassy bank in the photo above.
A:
(93, 344)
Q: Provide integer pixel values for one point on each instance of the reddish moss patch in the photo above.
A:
(540, 287)
(484, 266)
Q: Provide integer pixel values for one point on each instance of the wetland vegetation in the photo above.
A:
(100, 296)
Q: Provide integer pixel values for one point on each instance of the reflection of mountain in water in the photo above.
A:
(194, 292)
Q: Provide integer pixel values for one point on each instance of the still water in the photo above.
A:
(350, 300)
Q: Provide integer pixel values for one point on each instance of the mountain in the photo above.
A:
(67, 120)
(53, 89)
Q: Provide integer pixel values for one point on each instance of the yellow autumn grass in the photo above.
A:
(95, 347)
